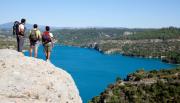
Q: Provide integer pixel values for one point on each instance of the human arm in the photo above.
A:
(30, 34)
(52, 39)
(39, 35)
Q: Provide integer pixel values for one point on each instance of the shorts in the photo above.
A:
(47, 47)
(34, 44)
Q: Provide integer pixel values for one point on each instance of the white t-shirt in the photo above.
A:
(51, 35)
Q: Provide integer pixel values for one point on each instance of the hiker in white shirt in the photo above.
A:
(20, 35)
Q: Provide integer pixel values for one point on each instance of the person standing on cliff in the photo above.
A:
(19, 31)
(47, 41)
(34, 38)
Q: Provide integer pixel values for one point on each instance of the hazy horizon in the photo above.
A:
(63, 27)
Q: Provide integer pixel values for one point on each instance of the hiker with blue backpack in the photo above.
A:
(19, 31)
(47, 41)
(34, 39)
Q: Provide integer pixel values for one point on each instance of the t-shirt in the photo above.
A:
(21, 27)
(38, 33)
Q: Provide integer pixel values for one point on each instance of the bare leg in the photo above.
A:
(45, 52)
(35, 52)
(48, 55)
(30, 51)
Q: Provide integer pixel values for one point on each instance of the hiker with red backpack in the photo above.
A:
(19, 31)
(34, 38)
(47, 41)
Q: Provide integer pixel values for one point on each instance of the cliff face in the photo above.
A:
(29, 80)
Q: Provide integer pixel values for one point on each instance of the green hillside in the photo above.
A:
(159, 43)
(143, 87)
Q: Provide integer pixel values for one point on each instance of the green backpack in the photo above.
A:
(33, 36)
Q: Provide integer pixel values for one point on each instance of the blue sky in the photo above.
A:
(93, 13)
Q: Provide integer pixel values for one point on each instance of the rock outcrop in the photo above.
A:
(30, 80)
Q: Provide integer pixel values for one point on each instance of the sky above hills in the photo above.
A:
(93, 13)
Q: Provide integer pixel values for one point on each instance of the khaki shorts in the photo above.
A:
(47, 47)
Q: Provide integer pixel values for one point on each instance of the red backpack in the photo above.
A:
(46, 38)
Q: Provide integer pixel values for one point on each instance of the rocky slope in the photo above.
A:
(29, 80)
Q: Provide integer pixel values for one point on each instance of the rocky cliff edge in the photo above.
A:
(30, 80)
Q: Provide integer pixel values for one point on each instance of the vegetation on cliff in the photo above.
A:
(144, 87)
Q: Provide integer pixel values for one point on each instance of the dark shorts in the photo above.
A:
(34, 44)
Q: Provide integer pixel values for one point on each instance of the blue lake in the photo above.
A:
(93, 71)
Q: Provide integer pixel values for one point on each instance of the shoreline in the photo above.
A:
(123, 54)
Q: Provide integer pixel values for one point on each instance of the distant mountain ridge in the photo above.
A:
(9, 25)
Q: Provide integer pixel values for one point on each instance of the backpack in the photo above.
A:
(33, 36)
(46, 38)
(16, 28)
